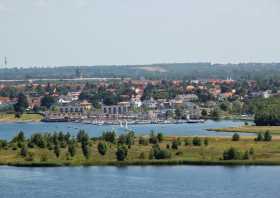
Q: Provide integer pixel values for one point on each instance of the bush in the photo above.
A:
(109, 136)
(56, 151)
(235, 137)
(160, 137)
(127, 139)
(175, 145)
(121, 153)
(206, 142)
(24, 151)
(259, 137)
(196, 141)
(162, 154)
(231, 154)
(72, 149)
(187, 143)
(102, 148)
(85, 150)
(267, 136)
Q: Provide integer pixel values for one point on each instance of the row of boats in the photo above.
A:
(124, 123)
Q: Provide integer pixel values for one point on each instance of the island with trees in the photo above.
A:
(63, 149)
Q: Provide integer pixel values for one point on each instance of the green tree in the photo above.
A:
(231, 154)
(109, 136)
(196, 141)
(174, 145)
(267, 136)
(121, 153)
(57, 151)
(259, 137)
(85, 150)
(160, 137)
(235, 137)
(22, 104)
(47, 101)
(102, 148)
(24, 151)
(72, 149)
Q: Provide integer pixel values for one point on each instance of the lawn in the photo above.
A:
(24, 118)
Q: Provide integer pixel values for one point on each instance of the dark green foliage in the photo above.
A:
(267, 112)
(72, 148)
(121, 153)
(160, 137)
(267, 136)
(158, 153)
(246, 155)
(19, 137)
(153, 138)
(215, 113)
(127, 138)
(109, 136)
(206, 142)
(196, 141)
(175, 145)
(24, 151)
(235, 137)
(259, 137)
(47, 101)
(204, 112)
(3, 144)
(22, 104)
(85, 150)
(56, 151)
(264, 137)
(232, 154)
(82, 137)
(38, 140)
(187, 142)
(102, 148)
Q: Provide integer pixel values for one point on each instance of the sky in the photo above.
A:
(115, 32)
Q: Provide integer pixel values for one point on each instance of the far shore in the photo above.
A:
(249, 129)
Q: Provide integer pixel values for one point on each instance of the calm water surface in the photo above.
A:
(156, 182)
(8, 130)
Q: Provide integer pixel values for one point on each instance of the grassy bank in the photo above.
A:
(249, 129)
(24, 118)
(266, 153)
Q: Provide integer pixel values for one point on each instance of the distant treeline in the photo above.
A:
(185, 71)
(267, 112)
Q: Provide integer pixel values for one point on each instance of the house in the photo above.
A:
(75, 107)
(119, 109)
(192, 110)
(187, 97)
(150, 104)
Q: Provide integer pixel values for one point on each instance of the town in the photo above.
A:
(128, 101)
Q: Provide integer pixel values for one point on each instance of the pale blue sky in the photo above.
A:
(94, 32)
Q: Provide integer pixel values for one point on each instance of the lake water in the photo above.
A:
(9, 130)
(137, 181)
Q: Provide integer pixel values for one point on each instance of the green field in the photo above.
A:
(249, 129)
(24, 118)
(266, 153)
